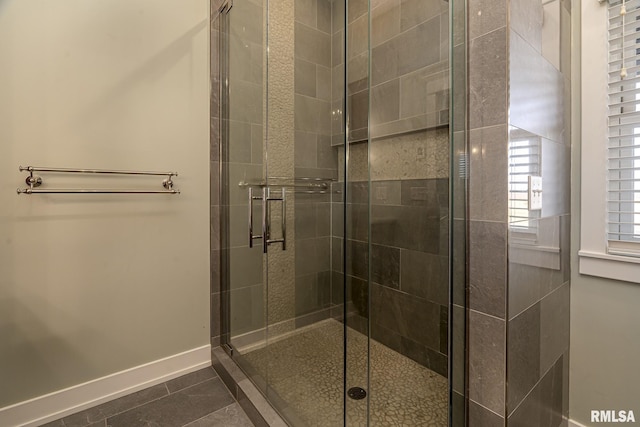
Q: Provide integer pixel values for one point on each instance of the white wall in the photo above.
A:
(605, 314)
(95, 284)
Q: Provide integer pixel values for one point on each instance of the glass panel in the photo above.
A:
(242, 47)
(458, 209)
(352, 142)
(301, 362)
(357, 226)
(409, 188)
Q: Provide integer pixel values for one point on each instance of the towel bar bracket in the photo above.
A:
(168, 184)
(33, 181)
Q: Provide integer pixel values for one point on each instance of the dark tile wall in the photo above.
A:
(409, 91)
(487, 210)
(406, 91)
(361, 66)
(487, 366)
(242, 153)
(408, 265)
(544, 407)
(518, 265)
(459, 176)
(235, 269)
(483, 417)
(538, 284)
(314, 156)
(401, 214)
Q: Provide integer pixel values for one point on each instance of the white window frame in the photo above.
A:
(593, 257)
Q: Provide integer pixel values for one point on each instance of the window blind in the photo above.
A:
(524, 161)
(623, 150)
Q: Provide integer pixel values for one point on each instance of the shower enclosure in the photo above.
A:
(342, 206)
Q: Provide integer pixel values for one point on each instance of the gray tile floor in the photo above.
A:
(198, 399)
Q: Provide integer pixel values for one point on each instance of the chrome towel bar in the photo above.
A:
(92, 191)
(34, 181)
(320, 185)
(98, 171)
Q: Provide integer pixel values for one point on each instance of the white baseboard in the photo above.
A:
(65, 402)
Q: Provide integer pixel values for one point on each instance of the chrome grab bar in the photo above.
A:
(250, 217)
(312, 185)
(284, 219)
(283, 198)
(265, 219)
(34, 181)
(299, 185)
(252, 237)
(320, 186)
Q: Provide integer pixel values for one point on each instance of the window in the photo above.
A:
(610, 140)
(623, 189)
(533, 240)
(524, 161)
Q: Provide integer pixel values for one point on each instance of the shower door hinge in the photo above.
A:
(229, 349)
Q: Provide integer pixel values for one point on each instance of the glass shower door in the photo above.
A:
(242, 117)
(344, 176)
(282, 223)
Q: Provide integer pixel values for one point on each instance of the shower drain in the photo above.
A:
(357, 393)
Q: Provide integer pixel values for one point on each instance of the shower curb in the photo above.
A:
(246, 393)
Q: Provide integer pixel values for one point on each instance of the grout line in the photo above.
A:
(118, 413)
(218, 410)
(232, 379)
(134, 407)
(539, 300)
(534, 387)
(215, 375)
(488, 315)
(154, 400)
(193, 385)
(491, 221)
(164, 397)
(484, 407)
(235, 399)
(490, 127)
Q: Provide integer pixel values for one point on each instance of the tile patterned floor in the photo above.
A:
(198, 399)
(305, 371)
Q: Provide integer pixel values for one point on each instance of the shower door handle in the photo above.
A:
(252, 236)
(266, 218)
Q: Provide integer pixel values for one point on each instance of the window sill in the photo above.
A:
(610, 266)
(536, 256)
